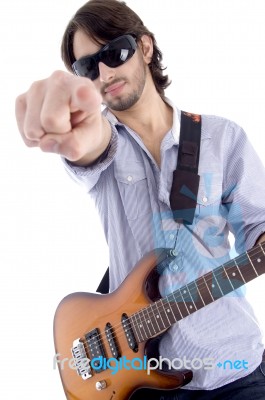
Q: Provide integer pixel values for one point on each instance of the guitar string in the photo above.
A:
(176, 293)
(118, 329)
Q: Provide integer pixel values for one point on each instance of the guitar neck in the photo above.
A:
(159, 316)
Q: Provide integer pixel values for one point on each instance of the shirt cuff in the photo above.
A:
(100, 164)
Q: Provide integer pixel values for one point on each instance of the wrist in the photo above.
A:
(102, 150)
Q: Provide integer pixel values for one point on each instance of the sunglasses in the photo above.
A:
(114, 54)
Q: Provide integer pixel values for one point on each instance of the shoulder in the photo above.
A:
(212, 125)
(218, 127)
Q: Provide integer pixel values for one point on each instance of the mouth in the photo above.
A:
(115, 88)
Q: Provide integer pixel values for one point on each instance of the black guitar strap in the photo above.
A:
(185, 185)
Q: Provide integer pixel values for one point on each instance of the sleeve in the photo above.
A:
(244, 190)
(89, 176)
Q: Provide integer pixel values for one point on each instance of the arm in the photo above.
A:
(244, 194)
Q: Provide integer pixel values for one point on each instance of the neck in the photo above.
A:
(151, 118)
(219, 282)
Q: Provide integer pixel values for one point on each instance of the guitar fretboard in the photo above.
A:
(159, 316)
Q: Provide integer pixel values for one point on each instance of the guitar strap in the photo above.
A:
(185, 184)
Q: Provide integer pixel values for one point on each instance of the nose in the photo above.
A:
(106, 73)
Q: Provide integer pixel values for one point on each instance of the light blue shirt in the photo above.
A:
(131, 193)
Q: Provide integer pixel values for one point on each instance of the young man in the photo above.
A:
(126, 156)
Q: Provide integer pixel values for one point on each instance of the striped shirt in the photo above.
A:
(131, 193)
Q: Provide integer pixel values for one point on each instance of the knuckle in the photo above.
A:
(35, 87)
(31, 143)
(49, 123)
(20, 101)
(59, 78)
(74, 149)
(58, 75)
(75, 153)
(33, 135)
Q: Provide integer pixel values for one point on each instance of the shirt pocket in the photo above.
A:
(209, 196)
(208, 213)
(209, 199)
(133, 187)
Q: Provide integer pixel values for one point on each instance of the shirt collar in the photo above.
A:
(176, 119)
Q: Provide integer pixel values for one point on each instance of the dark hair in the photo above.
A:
(104, 20)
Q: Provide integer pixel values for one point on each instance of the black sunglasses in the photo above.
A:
(113, 54)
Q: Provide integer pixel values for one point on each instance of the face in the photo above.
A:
(120, 87)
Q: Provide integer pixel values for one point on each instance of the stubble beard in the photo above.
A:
(122, 103)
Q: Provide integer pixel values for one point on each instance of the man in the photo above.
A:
(126, 156)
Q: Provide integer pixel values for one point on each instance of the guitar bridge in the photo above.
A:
(82, 363)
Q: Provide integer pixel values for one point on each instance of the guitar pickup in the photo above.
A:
(112, 341)
(95, 347)
(82, 363)
(129, 334)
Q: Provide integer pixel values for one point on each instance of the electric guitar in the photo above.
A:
(93, 333)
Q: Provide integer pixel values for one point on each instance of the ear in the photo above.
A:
(146, 45)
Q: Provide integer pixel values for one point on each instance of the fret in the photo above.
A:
(167, 322)
(252, 265)
(152, 320)
(156, 319)
(182, 299)
(159, 318)
(136, 329)
(204, 291)
(235, 276)
(243, 280)
(181, 305)
(160, 312)
(257, 258)
(232, 287)
(169, 310)
(160, 315)
(209, 286)
(196, 296)
(246, 269)
(143, 324)
(190, 296)
(174, 307)
(187, 299)
(214, 286)
(149, 322)
(140, 326)
(222, 278)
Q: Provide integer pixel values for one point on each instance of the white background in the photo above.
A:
(51, 242)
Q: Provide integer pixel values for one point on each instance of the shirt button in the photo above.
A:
(171, 236)
(173, 267)
(129, 178)
(205, 199)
